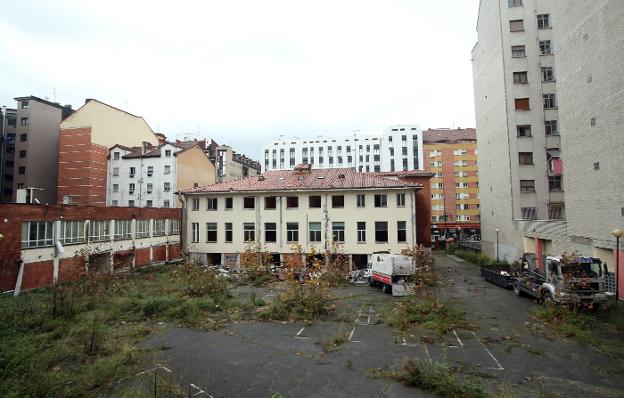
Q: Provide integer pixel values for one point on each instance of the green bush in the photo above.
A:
(427, 312)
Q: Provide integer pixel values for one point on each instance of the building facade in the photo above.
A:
(537, 137)
(398, 148)
(451, 155)
(362, 212)
(150, 176)
(86, 137)
(45, 245)
(8, 124)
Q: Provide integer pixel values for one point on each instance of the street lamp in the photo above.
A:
(497, 231)
(460, 230)
(617, 233)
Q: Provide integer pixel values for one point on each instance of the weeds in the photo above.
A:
(335, 342)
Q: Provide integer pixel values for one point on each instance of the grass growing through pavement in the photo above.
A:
(334, 343)
(79, 339)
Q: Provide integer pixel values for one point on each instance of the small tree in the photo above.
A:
(336, 268)
(255, 260)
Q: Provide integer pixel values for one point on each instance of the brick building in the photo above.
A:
(451, 155)
(85, 139)
(42, 245)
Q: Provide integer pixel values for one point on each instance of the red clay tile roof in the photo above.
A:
(315, 180)
(449, 135)
(404, 173)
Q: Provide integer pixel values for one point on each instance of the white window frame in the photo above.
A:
(99, 230)
(123, 229)
(72, 232)
(37, 234)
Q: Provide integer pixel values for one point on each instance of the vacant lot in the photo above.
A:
(152, 334)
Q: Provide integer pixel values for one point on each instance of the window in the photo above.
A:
(149, 203)
(166, 203)
(545, 48)
(116, 155)
(525, 158)
(132, 172)
(167, 169)
(115, 187)
(529, 213)
(518, 51)
(159, 227)
(543, 21)
(142, 228)
(25, 104)
(551, 127)
(228, 232)
(524, 131)
(550, 101)
(212, 204)
(514, 3)
(149, 188)
(361, 231)
(229, 203)
(98, 231)
(597, 166)
(520, 78)
(516, 25)
(401, 231)
(24, 122)
(556, 212)
(337, 201)
(547, 74)
(123, 229)
(592, 121)
(270, 202)
(381, 200)
(131, 203)
(361, 200)
(37, 234)
(22, 154)
(381, 231)
(400, 200)
(167, 153)
(522, 104)
(315, 231)
(314, 202)
(292, 202)
(195, 204)
(211, 232)
(115, 171)
(167, 186)
(150, 171)
(249, 202)
(174, 226)
(270, 232)
(527, 185)
(292, 232)
(338, 231)
(195, 234)
(21, 170)
(249, 232)
(555, 183)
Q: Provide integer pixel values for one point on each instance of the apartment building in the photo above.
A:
(8, 124)
(85, 139)
(149, 176)
(538, 136)
(311, 207)
(45, 245)
(451, 155)
(228, 164)
(30, 154)
(398, 148)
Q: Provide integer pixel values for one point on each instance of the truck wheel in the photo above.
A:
(516, 289)
(371, 281)
(547, 299)
(386, 288)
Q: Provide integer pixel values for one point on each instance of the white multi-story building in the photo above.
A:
(149, 176)
(399, 147)
(363, 212)
(548, 103)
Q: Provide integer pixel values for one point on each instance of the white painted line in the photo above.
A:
(200, 391)
(299, 332)
(351, 335)
(428, 355)
(458, 339)
(489, 353)
(355, 341)
(370, 310)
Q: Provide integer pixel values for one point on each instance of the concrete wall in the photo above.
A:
(194, 167)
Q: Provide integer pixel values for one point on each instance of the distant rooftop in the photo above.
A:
(449, 135)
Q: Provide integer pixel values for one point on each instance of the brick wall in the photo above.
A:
(141, 257)
(71, 268)
(175, 251)
(159, 253)
(38, 274)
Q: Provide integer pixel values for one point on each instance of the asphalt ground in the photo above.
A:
(257, 359)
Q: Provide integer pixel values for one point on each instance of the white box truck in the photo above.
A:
(391, 271)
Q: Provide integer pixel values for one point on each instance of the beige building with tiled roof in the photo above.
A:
(311, 207)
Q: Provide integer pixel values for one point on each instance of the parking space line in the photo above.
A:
(299, 336)
(427, 351)
(351, 334)
(370, 310)
(458, 339)
(489, 353)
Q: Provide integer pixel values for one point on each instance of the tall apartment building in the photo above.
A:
(150, 176)
(30, 155)
(86, 137)
(451, 155)
(398, 148)
(8, 123)
(548, 101)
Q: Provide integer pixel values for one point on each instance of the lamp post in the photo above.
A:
(497, 231)
(617, 233)
(460, 231)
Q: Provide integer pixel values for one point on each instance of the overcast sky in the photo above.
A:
(246, 72)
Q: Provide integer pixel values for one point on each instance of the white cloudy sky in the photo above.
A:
(246, 71)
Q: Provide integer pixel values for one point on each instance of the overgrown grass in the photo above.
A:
(307, 302)
(437, 378)
(77, 340)
(335, 342)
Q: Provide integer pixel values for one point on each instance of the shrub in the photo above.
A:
(427, 312)
(198, 280)
(255, 261)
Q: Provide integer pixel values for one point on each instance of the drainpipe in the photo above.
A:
(183, 221)
(414, 223)
(20, 276)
